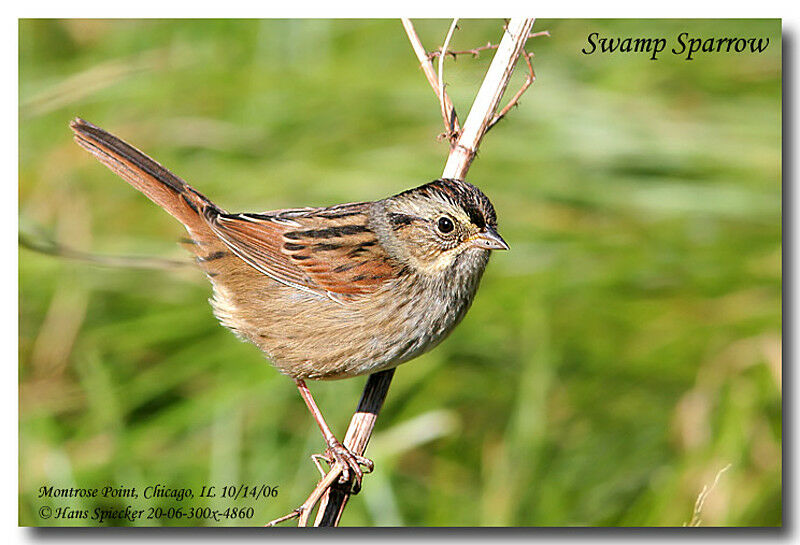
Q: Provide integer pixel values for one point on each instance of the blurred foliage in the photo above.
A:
(625, 350)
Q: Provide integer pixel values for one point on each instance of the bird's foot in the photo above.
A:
(351, 464)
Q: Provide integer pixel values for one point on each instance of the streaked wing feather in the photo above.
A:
(258, 244)
(323, 250)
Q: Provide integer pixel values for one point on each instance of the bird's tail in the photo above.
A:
(156, 182)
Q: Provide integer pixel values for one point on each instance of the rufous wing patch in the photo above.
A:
(321, 250)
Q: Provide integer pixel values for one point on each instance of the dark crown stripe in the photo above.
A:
(463, 194)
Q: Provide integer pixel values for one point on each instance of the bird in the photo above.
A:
(328, 292)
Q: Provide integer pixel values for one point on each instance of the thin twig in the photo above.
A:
(476, 51)
(446, 114)
(50, 247)
(304, 511)
(531, 77)
(701, 498)
(427, 68)
(323, 486)
(293, 515)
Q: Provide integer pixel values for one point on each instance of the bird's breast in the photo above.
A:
(310, 336)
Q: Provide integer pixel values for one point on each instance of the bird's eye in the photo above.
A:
(445, 224)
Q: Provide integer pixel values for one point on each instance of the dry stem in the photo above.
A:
(701, 498)
(451, 119)
(515, 99)
(476, 50)
(447, 115)
(51, 247)
(304, 511)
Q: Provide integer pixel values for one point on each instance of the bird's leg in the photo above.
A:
(336, 452)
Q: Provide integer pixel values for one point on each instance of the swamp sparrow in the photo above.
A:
(328, 293)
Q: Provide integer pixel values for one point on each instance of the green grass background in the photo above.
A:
(625, 350)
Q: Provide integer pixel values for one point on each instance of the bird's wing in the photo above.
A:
(322, 250)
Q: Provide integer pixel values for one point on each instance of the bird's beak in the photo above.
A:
(489, 240)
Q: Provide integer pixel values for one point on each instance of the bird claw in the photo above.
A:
(351, 462)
